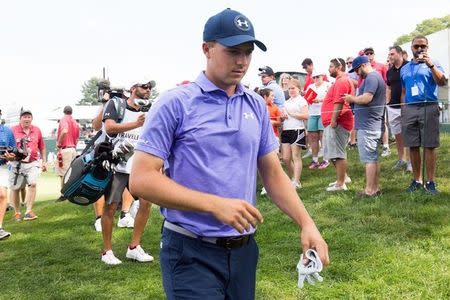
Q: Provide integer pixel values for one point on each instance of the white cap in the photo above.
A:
(317, 73)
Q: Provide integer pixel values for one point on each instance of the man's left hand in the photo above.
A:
(9, 156)
(311, 239)
(348, 98)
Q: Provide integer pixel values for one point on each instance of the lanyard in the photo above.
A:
(412, 67)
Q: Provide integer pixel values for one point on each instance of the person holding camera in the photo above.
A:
(66, 142)
(420, 116)
(25, 169)
(7, 141)
(125, 128)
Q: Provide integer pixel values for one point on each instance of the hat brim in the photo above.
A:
(355, 67)
(241, 39)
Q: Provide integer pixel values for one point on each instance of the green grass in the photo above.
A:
(391, 247)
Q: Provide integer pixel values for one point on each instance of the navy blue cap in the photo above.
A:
(358, 61)
(230, 28)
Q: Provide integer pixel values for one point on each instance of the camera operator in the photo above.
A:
(6, 140)
(125, 128)
(25, 171)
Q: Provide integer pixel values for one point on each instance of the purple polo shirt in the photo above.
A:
(212, 143)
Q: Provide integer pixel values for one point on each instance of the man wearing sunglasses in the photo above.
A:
(127, 129)
(420, 116)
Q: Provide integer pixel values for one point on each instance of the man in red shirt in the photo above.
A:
(337, 118)
(67, 138)
(26, 171)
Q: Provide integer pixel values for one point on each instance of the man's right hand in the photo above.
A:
(140, 120)
(237, 213)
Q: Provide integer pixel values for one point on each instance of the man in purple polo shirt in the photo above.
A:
(215, 135)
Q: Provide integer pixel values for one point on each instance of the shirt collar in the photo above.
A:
(207, 86)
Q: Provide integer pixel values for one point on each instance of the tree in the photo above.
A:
(89, 92)
(425, 28)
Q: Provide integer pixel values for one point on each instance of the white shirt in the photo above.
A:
(294, 105)
(314, 109)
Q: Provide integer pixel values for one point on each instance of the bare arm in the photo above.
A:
(361, 99)
(284, 196)
(112, 127)
(388, 94)
(167, 193)
(336, 112)
(97, 121)
(302, 115)
(62, 136)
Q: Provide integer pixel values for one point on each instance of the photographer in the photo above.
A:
(6, 140)
(25, 170)
(125, 128)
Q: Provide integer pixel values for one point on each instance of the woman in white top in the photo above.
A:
(315, 126)
(295, 112)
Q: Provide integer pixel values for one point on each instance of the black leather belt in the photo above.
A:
(225, 242)
(424, 103)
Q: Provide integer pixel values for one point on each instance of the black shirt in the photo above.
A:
(395, 83)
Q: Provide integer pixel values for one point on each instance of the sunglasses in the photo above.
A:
(349, 62)
(144, 86)
(369, 53)
(420, 46)
(315, 77)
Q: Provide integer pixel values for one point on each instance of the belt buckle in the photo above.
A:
(233, 242)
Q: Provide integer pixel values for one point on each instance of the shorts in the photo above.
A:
(27, 174)
(335, 142)
(68, 155)
(420, 125)
(294, 137)
(368, 142)
(395, 120)
(4, 176)
(114, 193)
(315, 123)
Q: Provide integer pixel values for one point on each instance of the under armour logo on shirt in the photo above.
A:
(248, 115)
(242, 23)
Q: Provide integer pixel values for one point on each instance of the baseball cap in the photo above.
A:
(150, 83)
(230, 28)
(266, 71)
(368, 49)
(317, 73)
(358, 61)
(25, 111)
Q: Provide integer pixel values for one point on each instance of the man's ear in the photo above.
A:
(206, 47)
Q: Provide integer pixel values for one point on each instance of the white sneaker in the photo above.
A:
(346, 180)
(98, 225)
(134, 208)
(335, 188)
(386, 152)
(4, 234)
(263, 191)
(109, 258)
(296, 185)
(139, 254)
(127, 221)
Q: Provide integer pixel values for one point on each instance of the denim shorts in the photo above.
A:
(368, 142)
(315, 123)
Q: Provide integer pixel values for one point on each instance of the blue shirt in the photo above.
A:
(370, 116)
(212, 143)
(6, 139)
(278, 93)
(419, 75)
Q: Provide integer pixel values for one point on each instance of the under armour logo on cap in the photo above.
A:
(242, 23)
(230, 28)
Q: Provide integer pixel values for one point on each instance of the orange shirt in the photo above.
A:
(274, 114)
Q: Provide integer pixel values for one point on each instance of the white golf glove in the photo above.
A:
(311, 270)
(123, 150)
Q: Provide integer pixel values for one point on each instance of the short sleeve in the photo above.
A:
(371, 84)
(110, 112)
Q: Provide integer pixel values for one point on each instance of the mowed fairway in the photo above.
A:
(391, 247)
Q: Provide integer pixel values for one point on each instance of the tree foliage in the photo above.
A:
(89, 92)
(425, 28)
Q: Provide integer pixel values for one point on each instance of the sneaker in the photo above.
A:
(430, 187)
(324, 164)
(314, 165)
(386, 152)
(98, 225)
(127, 221)
(307, 154)
(134, 208)
(17, 217)
(263, 191)
(138, 254)
(346, 181)
(399, 165)
(335, 188)
(4, 234)
(408, 166)
(30, 216)
(109, 258)
(414, 186)
(296, 185)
